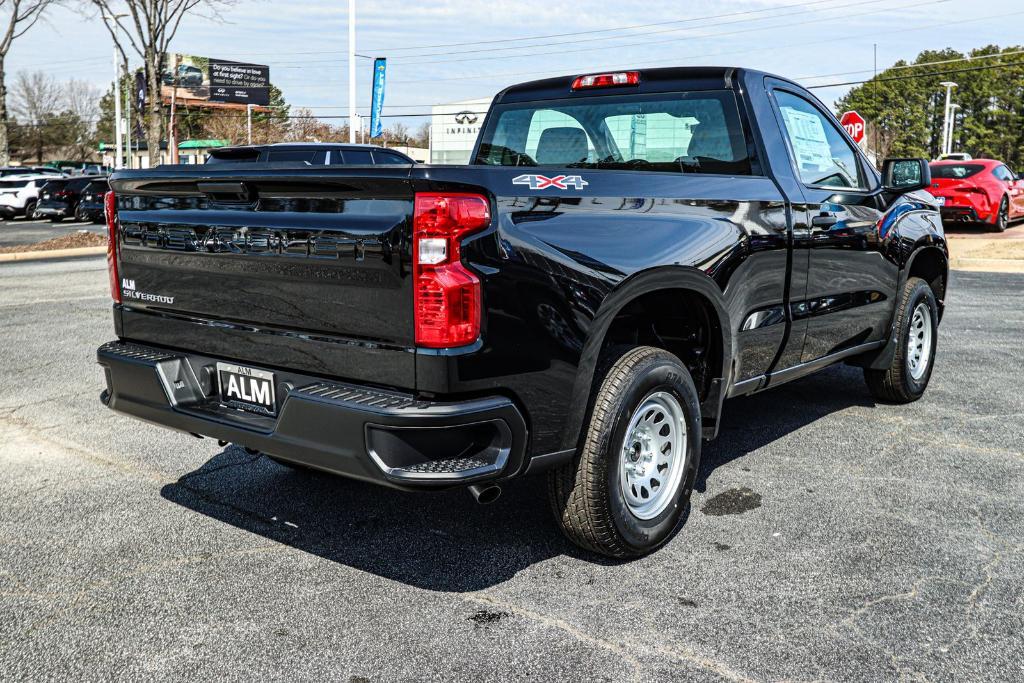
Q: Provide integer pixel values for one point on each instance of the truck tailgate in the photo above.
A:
(304, 269)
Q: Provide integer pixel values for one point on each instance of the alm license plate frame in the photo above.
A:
(248, 389)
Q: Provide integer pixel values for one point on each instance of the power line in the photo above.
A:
(969, 58)
(803, 6)
(399, 60)
(648, 43)
(382, 50)
(703, 55)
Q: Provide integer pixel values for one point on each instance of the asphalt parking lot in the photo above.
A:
(830, 538)
(19, 231)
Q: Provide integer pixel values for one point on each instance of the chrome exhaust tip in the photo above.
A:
(485, 494)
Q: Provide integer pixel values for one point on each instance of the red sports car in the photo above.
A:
(980, 190)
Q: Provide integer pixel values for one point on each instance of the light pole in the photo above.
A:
(118, 144)
(946, 130)
(352, 71)
(952, 125)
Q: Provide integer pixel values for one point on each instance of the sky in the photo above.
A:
(453, 50)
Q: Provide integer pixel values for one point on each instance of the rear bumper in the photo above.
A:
(377, 435)
(961, 214)
(52, 211)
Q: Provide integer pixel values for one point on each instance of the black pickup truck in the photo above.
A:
(625, 252)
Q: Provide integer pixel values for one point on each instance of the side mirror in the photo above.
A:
(905, 175)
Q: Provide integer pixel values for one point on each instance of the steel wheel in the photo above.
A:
(919, 344)
(653, 455)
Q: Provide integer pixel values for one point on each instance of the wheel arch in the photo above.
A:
(693, 287)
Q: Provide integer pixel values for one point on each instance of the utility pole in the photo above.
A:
(352, 71)
(946, 129)
(248, 121)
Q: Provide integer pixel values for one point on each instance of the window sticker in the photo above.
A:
(810, 144)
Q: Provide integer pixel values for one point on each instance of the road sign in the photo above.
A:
(854, 125)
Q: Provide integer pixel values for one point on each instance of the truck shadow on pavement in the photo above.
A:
(445, 541)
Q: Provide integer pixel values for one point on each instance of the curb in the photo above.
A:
(52, 254)
(988, 265)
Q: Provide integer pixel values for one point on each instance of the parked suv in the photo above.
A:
(30, 170)
(19, 195)
(310, 153)
(90, 207)
(59, 198)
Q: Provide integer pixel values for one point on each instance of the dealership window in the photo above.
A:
(689, 132)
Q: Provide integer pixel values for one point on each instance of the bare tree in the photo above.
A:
(35, 98)
(147, 27)
(306, 127)
(51, 116)
(16, 18)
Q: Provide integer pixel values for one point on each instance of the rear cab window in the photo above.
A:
(955, 171)
(677, 132)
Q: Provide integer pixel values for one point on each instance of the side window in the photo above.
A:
(823, 156)
(387, 158)
(356, 157)
(1003, 173)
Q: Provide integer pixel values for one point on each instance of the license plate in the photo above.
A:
(247, 388)
(941, 201)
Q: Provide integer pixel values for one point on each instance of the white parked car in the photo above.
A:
(19, 195)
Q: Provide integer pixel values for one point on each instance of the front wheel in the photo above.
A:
(625, 492)
(916, 334)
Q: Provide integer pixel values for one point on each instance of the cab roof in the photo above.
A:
(664, 79)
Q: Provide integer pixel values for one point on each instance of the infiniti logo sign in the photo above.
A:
(465, 117)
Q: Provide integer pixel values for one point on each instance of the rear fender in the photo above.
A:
(645, 282)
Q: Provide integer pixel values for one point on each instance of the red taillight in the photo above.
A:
(447, 294)
(110, 209)
(611, 80)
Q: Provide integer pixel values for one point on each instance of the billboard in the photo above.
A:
(217, 81)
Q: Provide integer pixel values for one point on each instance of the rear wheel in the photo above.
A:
(30, 210)
(917, 320)
(625, 492)
(1003, 217)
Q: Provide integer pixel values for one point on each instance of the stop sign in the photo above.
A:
(854, 125)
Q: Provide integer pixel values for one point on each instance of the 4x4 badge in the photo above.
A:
(542, 182)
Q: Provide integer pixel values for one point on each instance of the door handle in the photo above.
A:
(824, 220)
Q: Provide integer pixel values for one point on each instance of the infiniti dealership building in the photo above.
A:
(453, 130)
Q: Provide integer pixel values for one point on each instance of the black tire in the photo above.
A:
(1003, 217)
(585, 494)
(80, 215)
(897, 384)
(30, 210)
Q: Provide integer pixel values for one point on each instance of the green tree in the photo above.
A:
(904, 105)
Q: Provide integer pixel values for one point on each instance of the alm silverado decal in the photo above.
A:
(128, 292)
(542, 182)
